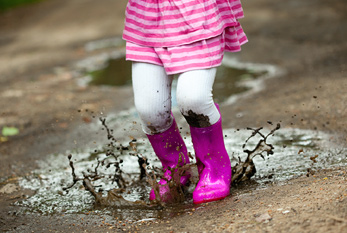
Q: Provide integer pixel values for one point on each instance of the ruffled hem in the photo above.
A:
(235, 37)
(203, 54)
(157, 23)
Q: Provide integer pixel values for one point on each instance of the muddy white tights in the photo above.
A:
(152, 93)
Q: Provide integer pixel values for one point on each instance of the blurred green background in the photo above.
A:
(8, 4)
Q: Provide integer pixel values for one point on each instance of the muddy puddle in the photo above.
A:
(296, 152)
(234, 79)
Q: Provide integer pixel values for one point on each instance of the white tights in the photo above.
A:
(152, 93)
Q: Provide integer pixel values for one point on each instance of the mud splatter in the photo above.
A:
(131, 201)
(177, 192)
(245, 170)
(113, 197)
(197, 120)
(159, 127)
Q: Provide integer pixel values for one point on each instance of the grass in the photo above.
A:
(8, 4)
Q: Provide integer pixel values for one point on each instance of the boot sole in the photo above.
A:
(209, 200)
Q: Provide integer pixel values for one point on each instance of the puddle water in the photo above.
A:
(234, 79)
(229, 79)
(294, 148)
(116, 73)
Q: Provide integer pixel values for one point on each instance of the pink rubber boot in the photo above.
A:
(213, 163)
(167, 146)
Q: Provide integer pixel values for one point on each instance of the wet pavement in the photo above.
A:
(300, 83)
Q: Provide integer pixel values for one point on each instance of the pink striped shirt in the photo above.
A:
(182, 35)
(165, 23)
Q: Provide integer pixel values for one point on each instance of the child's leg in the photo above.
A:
(152, 92)
(194, 97)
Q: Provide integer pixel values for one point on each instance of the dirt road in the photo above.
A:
(40, 96)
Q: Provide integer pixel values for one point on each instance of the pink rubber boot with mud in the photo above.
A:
(168, 146)
(213, 163)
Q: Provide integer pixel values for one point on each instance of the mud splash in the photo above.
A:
(242, 171)
(293, 152)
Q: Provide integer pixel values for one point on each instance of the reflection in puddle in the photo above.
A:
(229, 81)
(116, 73)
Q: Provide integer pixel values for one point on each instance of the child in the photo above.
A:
(188, 38)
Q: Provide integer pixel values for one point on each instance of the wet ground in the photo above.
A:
(46, 52)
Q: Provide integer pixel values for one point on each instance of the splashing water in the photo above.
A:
(292, 157)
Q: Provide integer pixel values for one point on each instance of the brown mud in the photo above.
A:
(197, 120)
(40, 96)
